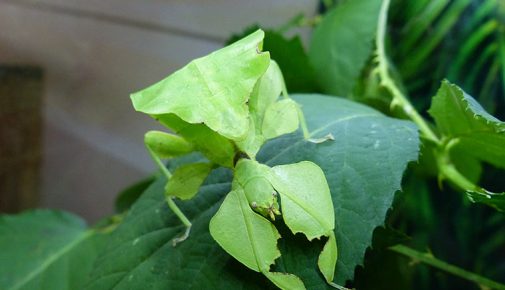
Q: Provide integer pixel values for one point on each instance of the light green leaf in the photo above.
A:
(280, 118)
(198, 92)
(187, 179)
(342, 43)
(247, 236)
(460, 117)
(364, 167)
(45, 250)
(167, 145)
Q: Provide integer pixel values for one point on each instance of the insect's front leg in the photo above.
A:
(162, 145)
(305, 130)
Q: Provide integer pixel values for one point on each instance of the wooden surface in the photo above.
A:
(20, 137)
(94, 54)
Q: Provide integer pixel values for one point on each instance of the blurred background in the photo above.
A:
(69, 137)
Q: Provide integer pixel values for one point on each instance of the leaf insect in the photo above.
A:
(226, 105)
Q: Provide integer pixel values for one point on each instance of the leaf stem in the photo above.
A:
(429, 259)
(387, 81)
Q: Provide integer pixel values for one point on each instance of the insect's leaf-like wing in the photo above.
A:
(305, 197)
(247, 236)
(307, 207)
(266, 92)
(213, 89)
(280, 118)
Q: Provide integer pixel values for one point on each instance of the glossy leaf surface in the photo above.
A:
(363, 166)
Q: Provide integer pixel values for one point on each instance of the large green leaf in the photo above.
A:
(198, 92)
(363, 166)
(45, 250)
(294, 62)
(459, 116)
(342, 43)
(461, 119)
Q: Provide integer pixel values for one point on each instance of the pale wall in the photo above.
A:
(94, 54)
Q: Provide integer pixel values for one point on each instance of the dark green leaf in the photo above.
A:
(298, 73)
(45, 250)
(129, 195)
(363, 166)
(342, 43)
(496, 200)
(462, 118)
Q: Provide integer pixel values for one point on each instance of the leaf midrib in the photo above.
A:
(51, 259)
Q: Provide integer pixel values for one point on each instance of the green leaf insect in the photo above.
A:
(306, 208)
(226, 105)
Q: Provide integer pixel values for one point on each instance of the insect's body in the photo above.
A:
(252, 178)
(226, 106)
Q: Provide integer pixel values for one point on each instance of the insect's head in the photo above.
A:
(262, 197)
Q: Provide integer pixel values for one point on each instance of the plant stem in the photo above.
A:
(444, 164)
(429, 259)
(449, 171)
(387, 81)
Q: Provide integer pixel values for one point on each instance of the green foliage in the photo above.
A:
(464, 122)
(267, 118)
(265, 183)
(460, 40)
(129, 195)
(45, 250)
(140, 253)
(342, 43)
